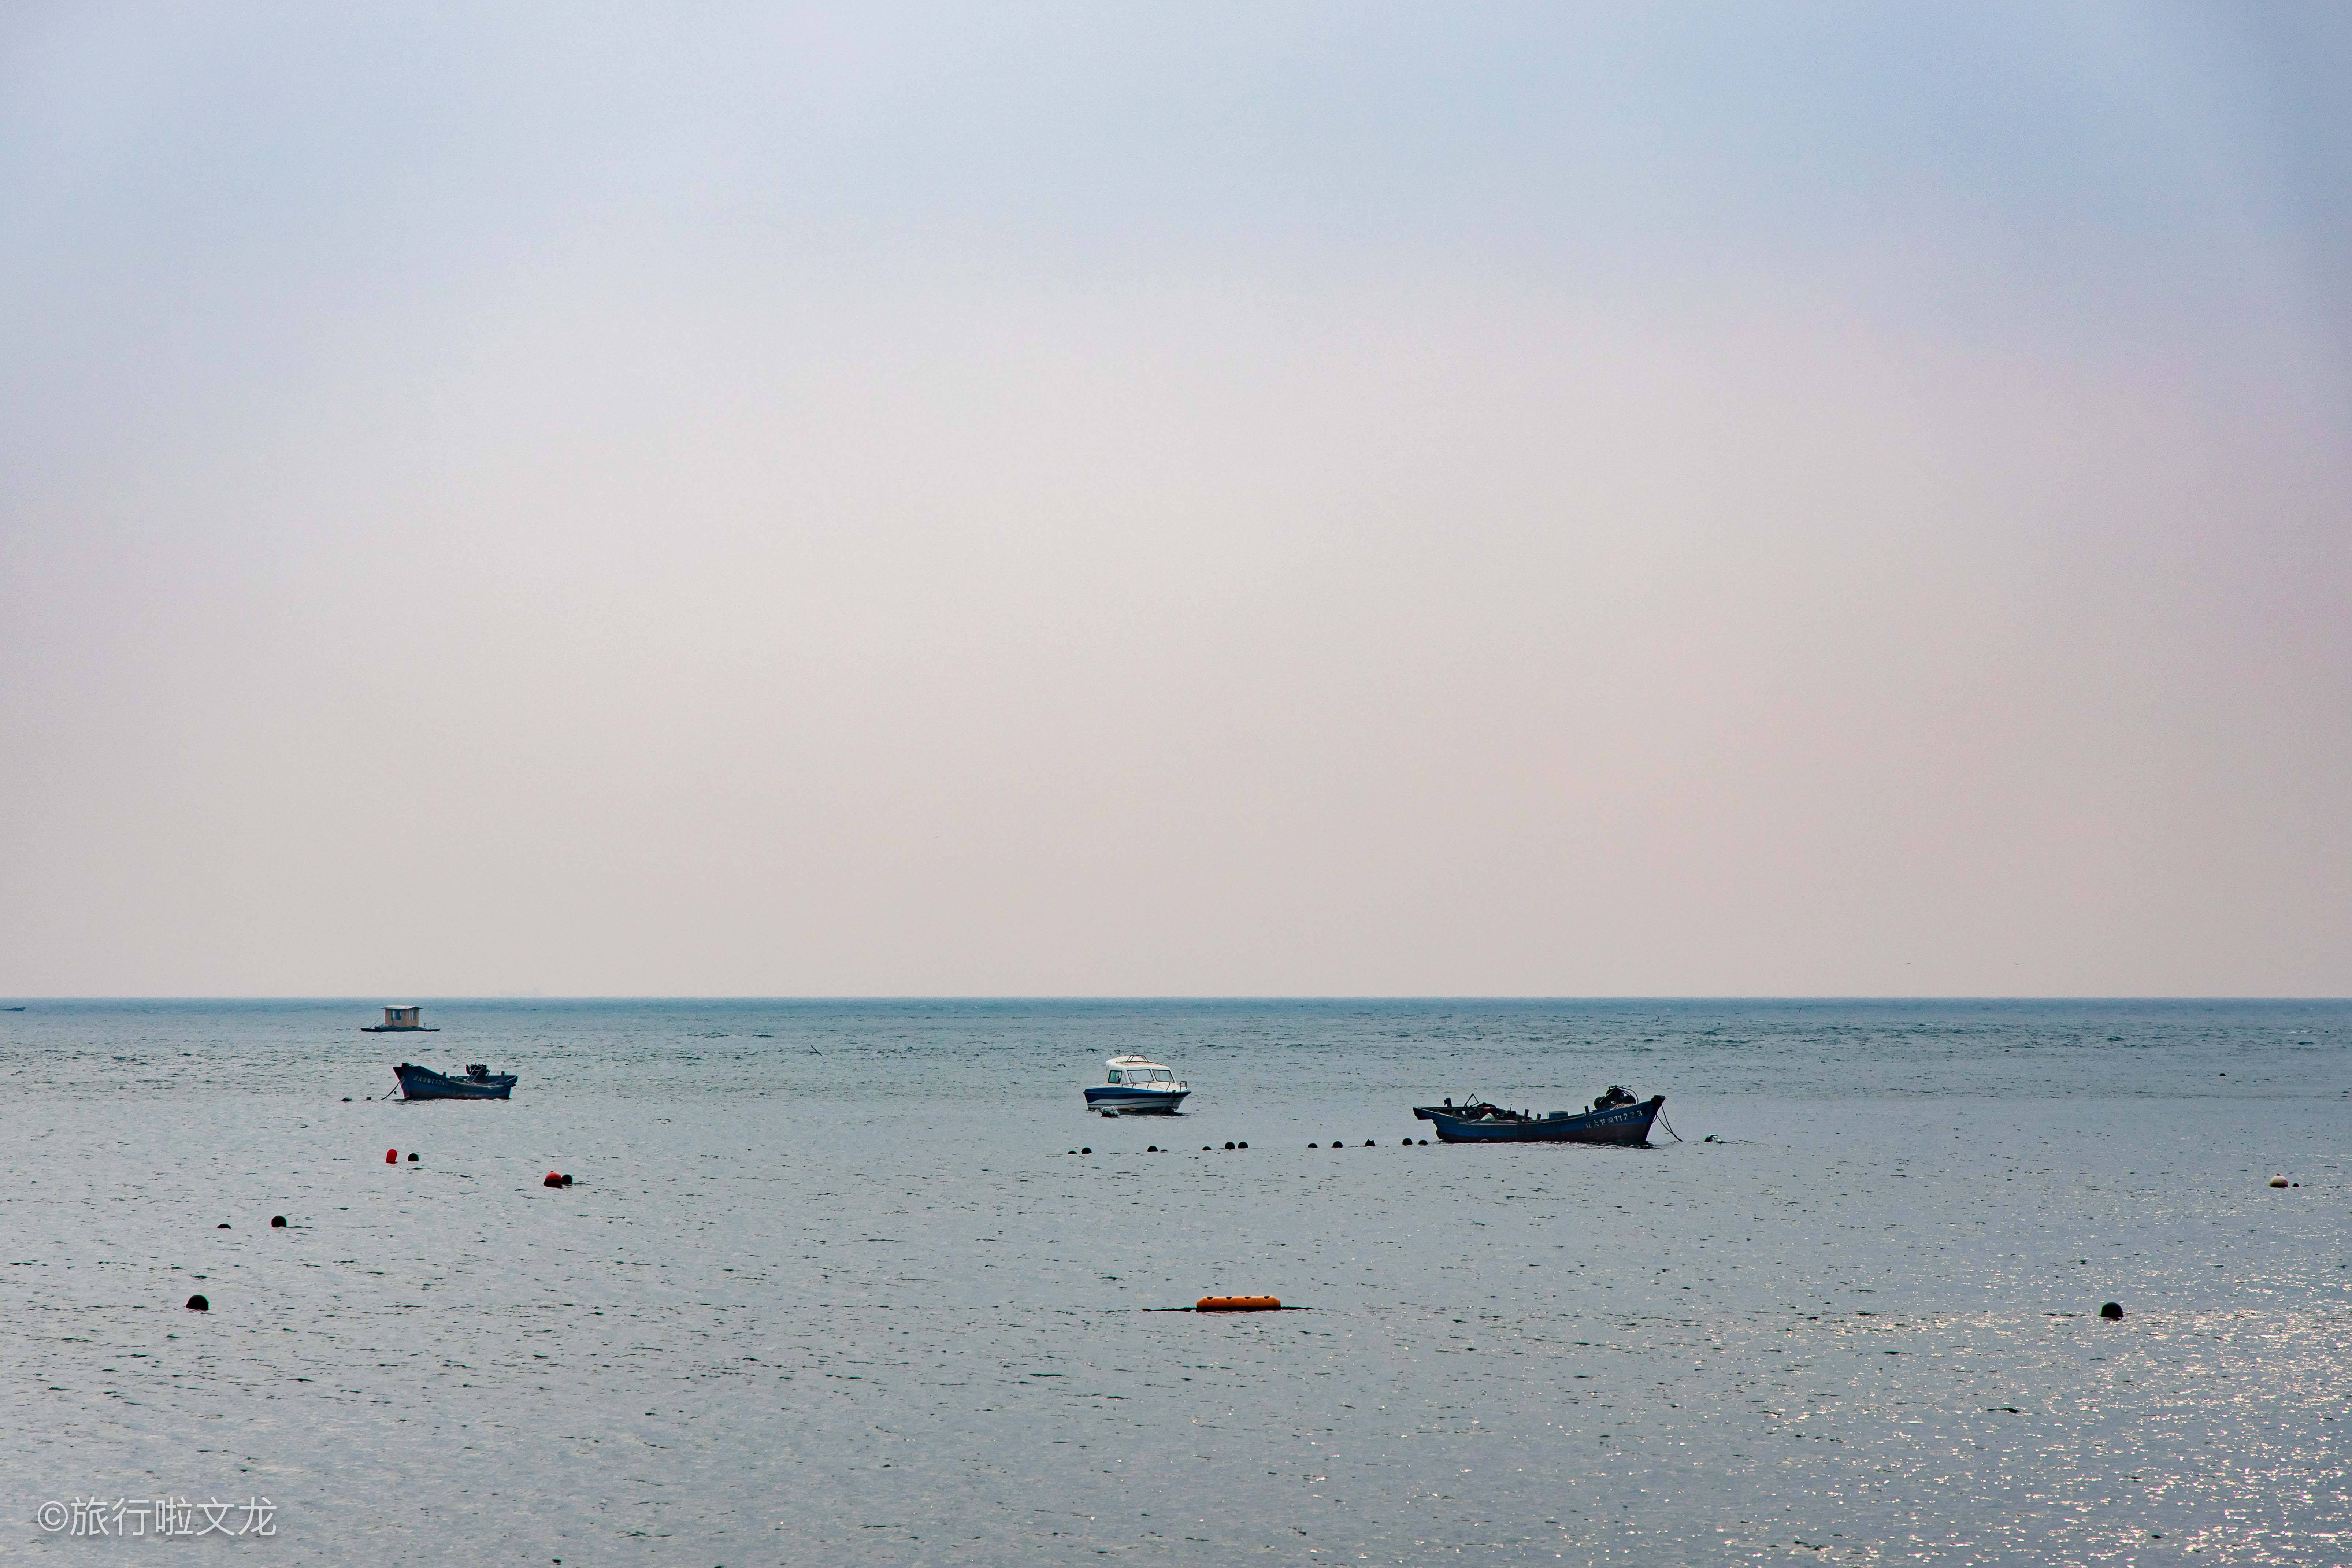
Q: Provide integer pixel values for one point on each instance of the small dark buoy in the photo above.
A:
(278, 1222)
(567, 1178)
(2112, 1310)
(1314, 1145)
(347, 1099)
(1368, 1142)
(1229, 1143)
(1151, 1148)
(1087, 1151)
(1241, 1146)
(198, 1304)
(1424, 1143)
(1204, 1148)
(1074, 1151)
(412, 1159)
(222, 1225)
(1408, 1143)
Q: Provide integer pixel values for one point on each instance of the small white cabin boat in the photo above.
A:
(401, 1021)
(1134, 1087)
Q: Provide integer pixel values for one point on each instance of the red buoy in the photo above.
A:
(553, 1179)
(392, 1156)
(1237, 1304)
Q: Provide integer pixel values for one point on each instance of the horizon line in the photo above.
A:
(375, 999)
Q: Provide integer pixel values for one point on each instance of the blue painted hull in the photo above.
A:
(423, 1083)
(1620, 1124)
(1134, 1102)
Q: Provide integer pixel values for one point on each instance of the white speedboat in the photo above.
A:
(1135, 1085)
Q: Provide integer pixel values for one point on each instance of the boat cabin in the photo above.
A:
(402, 1018)
(1137, 1073)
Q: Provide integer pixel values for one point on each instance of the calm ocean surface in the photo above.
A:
(832, 1290)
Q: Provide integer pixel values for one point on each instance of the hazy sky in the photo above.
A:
(1175, 500)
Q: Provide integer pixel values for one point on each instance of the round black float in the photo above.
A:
(198, 1304)
(222, 1225)
(1229, 1143)
(412, 1159)
(1086, 1151)
(2112, 1310)
(278, 1222)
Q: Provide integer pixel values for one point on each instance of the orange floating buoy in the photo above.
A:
(392, 1156)
(553, 1179)
(1237, 1304)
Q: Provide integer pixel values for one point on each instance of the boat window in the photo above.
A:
(1115, 1076)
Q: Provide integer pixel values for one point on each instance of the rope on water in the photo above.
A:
(1669, 1127)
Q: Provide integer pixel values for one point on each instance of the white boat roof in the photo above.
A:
(1136, 1062)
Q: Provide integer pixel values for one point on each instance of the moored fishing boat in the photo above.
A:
(478, 1083)
(1615, 1118)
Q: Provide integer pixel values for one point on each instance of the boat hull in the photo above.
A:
(1621, 1124)
(423, 1083)
(1134, 1102)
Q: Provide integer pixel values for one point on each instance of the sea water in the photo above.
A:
(833, 1287)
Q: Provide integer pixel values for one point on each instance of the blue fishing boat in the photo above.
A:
(1135, 1086)
(479, 1083)
(1615, 1118)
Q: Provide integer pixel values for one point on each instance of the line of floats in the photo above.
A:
(1135, 1085)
